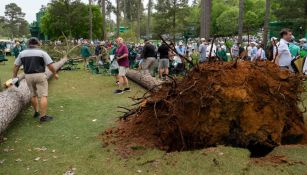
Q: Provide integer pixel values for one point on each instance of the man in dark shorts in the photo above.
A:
(34, 61)
(163, 50)
(149, 57)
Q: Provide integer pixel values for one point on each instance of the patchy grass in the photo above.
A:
(84, 105)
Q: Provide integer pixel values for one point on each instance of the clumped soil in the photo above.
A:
(244, 104)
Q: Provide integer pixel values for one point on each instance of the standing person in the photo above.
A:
(271, 50)
(213, 50)
(121, 55)
(85, 53)
(17, 49)
(294, 49)
(34, 62)
(202, 50)
(284, 57)
(254, 51)
(235, 50)
(164, 52)
(261, 53)
(149, 57)
(181, 49)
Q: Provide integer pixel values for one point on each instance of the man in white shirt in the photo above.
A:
(284, 56)
(202, 50)
(254, 51)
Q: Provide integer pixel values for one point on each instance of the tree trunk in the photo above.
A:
(174, 20)
(241, 18)
(266, 23)
(148, 18)
(139, 20)
(103, 12)
(146, 81)
(14, 99)
(205, 18)
(90, 20)
(117, 17)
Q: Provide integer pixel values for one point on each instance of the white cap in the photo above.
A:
(202, 39)
(303, 40)
(274, 38)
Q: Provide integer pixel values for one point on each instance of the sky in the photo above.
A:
(31, 7)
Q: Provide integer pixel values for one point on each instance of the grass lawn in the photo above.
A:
(84, 105)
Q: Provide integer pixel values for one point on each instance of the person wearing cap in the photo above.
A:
(303, 42)
(34, 61)
(149, 57)
(17, 49)
(294, 49)
(85, 53)
(202, 50)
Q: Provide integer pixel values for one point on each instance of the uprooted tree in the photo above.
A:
(241, 104)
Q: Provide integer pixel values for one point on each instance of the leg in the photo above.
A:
(34, 102)
(125, 82)
(43, 105)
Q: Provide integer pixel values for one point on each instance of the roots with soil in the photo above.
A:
(250, 105)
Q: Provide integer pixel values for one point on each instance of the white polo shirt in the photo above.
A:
(284, 53)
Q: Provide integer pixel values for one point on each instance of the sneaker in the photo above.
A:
(127, 90)
(45, 118)
(118, 91)
(36, 115)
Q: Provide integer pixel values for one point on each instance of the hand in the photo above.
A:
(56, 76)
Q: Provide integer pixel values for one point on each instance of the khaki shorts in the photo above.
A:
(38, 84)
(122, 71)
(163, 63)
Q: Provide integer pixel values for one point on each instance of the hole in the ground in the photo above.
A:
(258, 150)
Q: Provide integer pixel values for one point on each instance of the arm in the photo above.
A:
(49, 62)
(15, 70)
(17, 65)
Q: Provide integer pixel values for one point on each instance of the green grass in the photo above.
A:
(79, 98)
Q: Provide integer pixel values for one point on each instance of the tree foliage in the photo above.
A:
(14, 22)
(71, 18)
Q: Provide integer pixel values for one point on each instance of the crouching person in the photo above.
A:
(34, 61)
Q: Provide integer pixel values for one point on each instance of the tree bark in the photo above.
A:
(139, 20)
(90, 20)
(241, 18)
(266, 23)
(146, 81)
(205, 18)
(117, 17)
(148, 18)
(14, 99)
(103, 12)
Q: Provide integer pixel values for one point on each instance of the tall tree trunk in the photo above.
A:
(90, 20)
(103, 12)
(174, 19)
(266, 23)
(205, 18)
(139, 20)
(148, 18)
(117, 17)
(241, 19)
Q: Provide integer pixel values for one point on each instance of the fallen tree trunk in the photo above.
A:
(14, 99)
(146, 81)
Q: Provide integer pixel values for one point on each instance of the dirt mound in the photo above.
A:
(249, 105)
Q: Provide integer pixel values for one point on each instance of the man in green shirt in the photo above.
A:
(294, 49)
(17, 49)
(85, 53)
